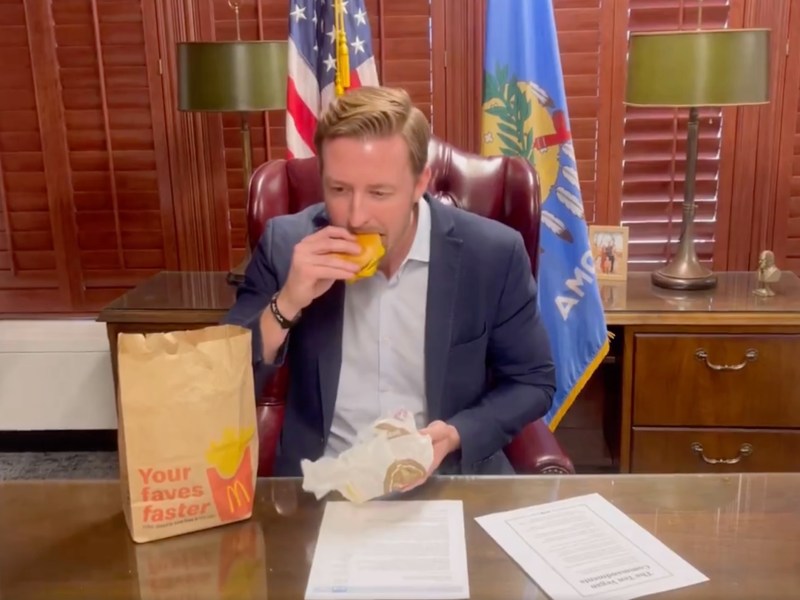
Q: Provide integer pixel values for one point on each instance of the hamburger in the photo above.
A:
(372, 251)
(402, 473)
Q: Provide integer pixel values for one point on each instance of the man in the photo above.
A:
(448, 328)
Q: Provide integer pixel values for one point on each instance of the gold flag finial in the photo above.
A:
(342, 55)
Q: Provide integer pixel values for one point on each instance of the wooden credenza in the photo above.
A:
(692, 377)
(710, 380)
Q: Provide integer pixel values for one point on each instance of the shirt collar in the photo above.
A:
(421, 246)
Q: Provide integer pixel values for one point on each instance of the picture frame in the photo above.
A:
(609, 246)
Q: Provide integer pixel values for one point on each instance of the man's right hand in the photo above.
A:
(314, 268)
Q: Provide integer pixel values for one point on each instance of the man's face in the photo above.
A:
(369, 187)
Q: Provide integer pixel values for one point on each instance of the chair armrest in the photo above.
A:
(269, 418)
(270, 410)
(536, 450)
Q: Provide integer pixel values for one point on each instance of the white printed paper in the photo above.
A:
(390, 549)
(585, 547)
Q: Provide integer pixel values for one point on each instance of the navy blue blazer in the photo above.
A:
(488, 365)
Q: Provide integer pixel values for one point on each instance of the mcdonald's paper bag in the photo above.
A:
(188, 447)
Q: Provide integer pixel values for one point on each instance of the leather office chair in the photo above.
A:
(500, 188)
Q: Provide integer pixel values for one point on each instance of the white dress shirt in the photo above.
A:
(383, 345)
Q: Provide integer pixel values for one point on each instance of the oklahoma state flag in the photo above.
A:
(525, 114)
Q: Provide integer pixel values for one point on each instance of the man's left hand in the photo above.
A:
(445, 440)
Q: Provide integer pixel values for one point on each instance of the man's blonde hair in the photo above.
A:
(372, 112)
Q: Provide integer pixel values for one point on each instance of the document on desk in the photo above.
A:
(585, 547)
(390, 549)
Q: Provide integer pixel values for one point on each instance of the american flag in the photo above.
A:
(312, 64)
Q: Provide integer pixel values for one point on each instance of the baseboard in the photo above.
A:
(95, 440)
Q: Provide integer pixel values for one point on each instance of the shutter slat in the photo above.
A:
(793, 232)
(27, 252)
(578, 29)
(112, 161)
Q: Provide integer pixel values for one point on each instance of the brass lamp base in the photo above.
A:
(684, 271)
(684, 277)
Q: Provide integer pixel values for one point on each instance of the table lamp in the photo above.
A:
(236, 76)
(690, 69)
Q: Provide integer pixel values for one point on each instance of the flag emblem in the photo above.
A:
(525, 114)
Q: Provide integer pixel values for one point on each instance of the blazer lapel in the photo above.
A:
(443, 276)
(327, 326)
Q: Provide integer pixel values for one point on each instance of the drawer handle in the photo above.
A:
(744, 450)
(749, 356)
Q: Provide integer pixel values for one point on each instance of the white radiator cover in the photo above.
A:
(55, 375)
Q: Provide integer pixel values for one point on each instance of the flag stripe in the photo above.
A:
(303, 79)
(296, 146)
(312, 65)
(304, 120)
(366, 73)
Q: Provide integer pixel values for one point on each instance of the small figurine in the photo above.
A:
(767, 273)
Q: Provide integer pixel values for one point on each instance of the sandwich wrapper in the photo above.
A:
(390, 455)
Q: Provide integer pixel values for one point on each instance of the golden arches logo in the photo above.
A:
(230, 473)
(237, 495)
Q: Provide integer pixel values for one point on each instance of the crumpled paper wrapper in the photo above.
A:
(388, 457)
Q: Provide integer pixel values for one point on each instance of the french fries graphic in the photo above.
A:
(230, 475)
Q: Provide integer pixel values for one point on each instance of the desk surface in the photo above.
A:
(68, 539)
(205, 297)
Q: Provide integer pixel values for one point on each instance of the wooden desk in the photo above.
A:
(662, 398)
(168, 301)
(68, 540)
(706, 375)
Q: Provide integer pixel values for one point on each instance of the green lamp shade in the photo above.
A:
(698, 68)
(232, 76)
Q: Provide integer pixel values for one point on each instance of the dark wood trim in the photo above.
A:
(755, 146)
(727, 164)
(155, 64)
(265, 114)
(7, 220)
(207, 157)
(214, 218)
(214, 205)
(463, 73)
(55, 150)
(626, 403)
(743, 189)
(786, 130)
(612, 194)
(196, 152)
(438, 69)
(159, 317)
(478, 28)
(112, 179)
(722, 234)
(381, 40)
(774, 15)
(166, 45)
